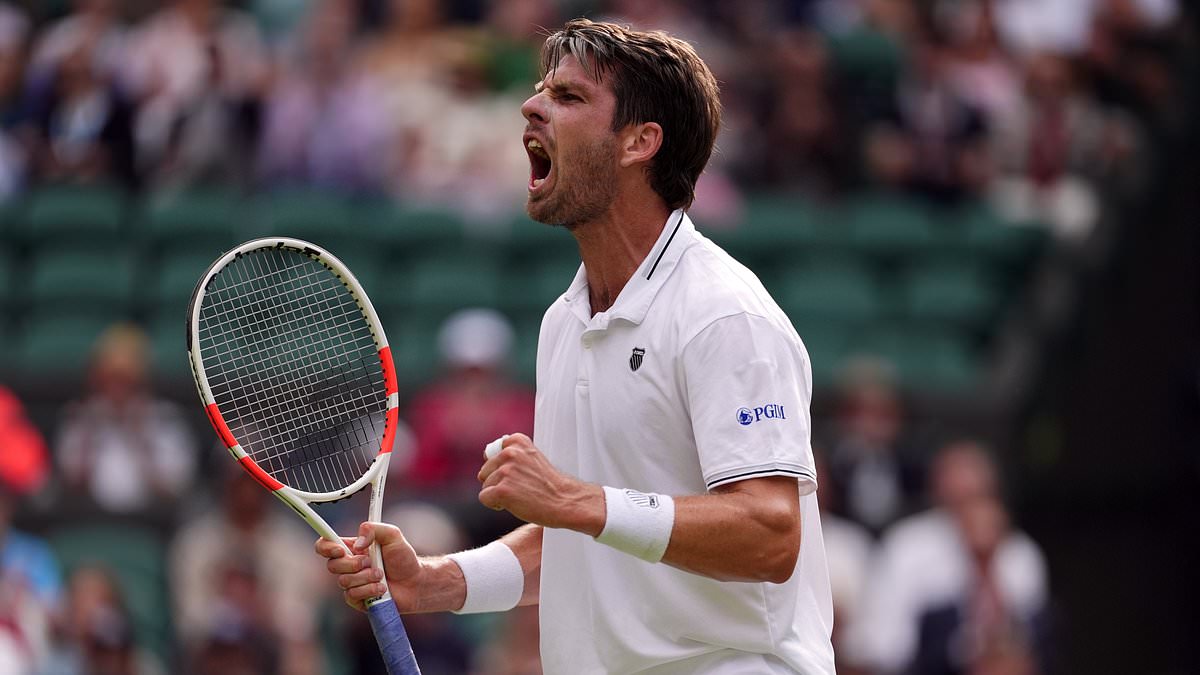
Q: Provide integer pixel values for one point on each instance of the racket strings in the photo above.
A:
(294, 368)
(305, 464)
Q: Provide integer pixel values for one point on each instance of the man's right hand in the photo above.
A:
(417, 585)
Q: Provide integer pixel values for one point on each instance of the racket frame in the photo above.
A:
(300, 501)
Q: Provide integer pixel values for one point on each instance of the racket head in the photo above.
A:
(293, 368)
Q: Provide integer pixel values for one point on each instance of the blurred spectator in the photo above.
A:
(198, 71)
(324, 121)
(955, 589)
(1055, 148)
(473, 403)
(95, 27)
(931, 140)
(1128, 59)
(848, 551)
(29, 576)
(415, 47)
(876, 478)
(14, 28)
(978, 69)
(96, 634)
(804, 148)
(121, 447)
(244, 576)
(1063, 26)
(234, 648)
(513, 42)
(453, 140)
(513, 649)
(82, 124)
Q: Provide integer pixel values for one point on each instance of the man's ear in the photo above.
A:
(640, 143)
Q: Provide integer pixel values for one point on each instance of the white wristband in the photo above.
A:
(494, 578)
(637, 523)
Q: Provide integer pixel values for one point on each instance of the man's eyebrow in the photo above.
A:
(559, 87)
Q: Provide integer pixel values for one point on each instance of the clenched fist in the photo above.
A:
(520, 480)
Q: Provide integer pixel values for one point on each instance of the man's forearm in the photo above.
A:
(526, 543)
(444, 587)
(747, 531)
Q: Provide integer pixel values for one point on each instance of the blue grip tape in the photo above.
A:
(392, 638)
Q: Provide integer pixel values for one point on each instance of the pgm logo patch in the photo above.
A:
(769, 411)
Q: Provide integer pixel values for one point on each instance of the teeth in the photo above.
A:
(537, 182)
(536, 148)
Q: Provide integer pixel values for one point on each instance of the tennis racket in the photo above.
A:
(296, 377)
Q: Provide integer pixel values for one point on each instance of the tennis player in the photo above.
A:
(669, 487)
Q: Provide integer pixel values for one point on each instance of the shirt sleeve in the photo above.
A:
(748, 389)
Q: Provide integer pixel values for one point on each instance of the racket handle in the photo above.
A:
(490, 450)
(392, 638)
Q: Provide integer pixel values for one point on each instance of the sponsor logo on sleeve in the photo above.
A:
(767, 411)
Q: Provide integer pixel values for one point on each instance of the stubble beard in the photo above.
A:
(585, 193)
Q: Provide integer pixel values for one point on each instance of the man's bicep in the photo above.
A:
(773, 499)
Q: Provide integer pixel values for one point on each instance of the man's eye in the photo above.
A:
(568, 97)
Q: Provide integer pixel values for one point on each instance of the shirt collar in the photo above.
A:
(639, 292)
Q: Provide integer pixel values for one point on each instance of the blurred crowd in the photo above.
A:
(1040, 107)
(1033, 106)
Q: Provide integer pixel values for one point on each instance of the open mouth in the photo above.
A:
(539, 163)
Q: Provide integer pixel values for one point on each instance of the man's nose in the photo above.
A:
(534, 110)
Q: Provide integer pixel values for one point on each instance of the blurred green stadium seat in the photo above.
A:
(411, 231)
(65, 213)
(440, 284)
(301, 212)
(529, 241)
(530, 288)
(198, 221)
(169, 282)
(8, 273)
(55, 342)
(413, 339)
(983, 233)
(168, 350)
(843, 291)
(775, 229)
(828, 344)
(10, 216)
(136, 559)
(98, 280)
(524, 349)
(891, 226)
(962, 293)
(925, 359)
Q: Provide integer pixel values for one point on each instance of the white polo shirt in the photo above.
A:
(694, 378)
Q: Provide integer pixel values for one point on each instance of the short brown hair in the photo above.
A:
(656, 78)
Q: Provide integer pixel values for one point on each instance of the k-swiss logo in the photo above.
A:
(635, 359)
(770, 411)
(642, 499)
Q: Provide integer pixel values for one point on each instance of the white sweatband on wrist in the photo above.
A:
(637, 523)
(494, 578)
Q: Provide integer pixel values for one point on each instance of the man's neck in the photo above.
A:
(613, 247)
